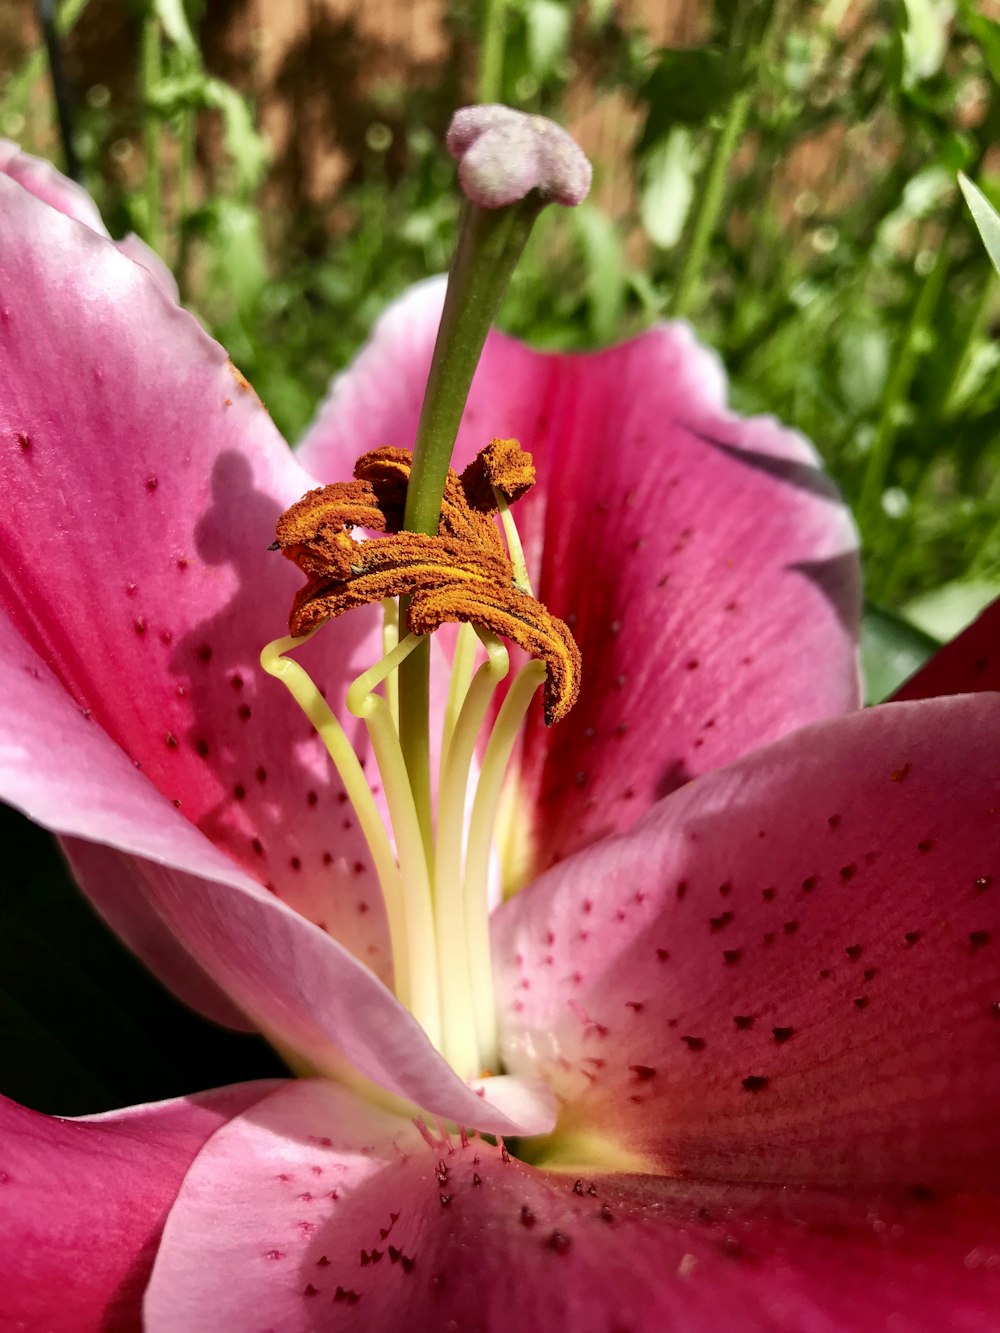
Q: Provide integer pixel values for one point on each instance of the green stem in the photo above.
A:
(490, 242)
(897, 390)
(150, 73)
(973, 332)
(710, 205)
(184, 179)
(491, 51)
(499, 748)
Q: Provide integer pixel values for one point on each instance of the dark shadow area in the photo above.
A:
(83, 1026)
(804, 476)
(675, 775)
(838, 578)
(279, 809)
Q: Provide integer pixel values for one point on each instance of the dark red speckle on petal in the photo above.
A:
(979, 938)
(559, 1242)
(528, 1218)
(643, 1073)
(204, 653)
(782, 1034)
(755, 1083)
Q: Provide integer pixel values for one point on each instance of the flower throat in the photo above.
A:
(434, 869)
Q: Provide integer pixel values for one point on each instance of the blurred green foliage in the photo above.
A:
(855, 303)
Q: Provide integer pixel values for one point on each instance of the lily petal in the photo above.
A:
(704, 562)
(291, 980)
(41, 179)
(315, 1211)
(84, 1203)
(788, 971)
(143, 477)
(970, 662)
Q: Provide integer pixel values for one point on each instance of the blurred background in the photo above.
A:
(782, 174)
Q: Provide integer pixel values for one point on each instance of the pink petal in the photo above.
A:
(84, 1202)
(142, 480)
(705, 564)
(970, 662)
(790, 969)
(41, 179)
(317, 1211)
(290, 979)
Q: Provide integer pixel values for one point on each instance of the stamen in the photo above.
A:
(461, 573)
(305, 693)
(462, 666)
(511, 615)
(418, 932)
(522, 581)
(477, 856)
(460, 1044)
(390, 638)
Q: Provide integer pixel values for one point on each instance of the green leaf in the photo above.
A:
(547, 23)
(685, 88)
(243, 143)
(891, 651)
(985, 216)
(946, 611)
(606, 280)
(175, 25)
(926, 33)
(668, 186)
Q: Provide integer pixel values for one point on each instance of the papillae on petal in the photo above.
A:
(317, 1210)
(788, 970)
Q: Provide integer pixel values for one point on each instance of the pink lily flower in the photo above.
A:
(748, 1001)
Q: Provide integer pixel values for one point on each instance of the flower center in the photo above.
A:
(434, 879)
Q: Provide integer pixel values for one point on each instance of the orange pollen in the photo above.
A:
(463, 573)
